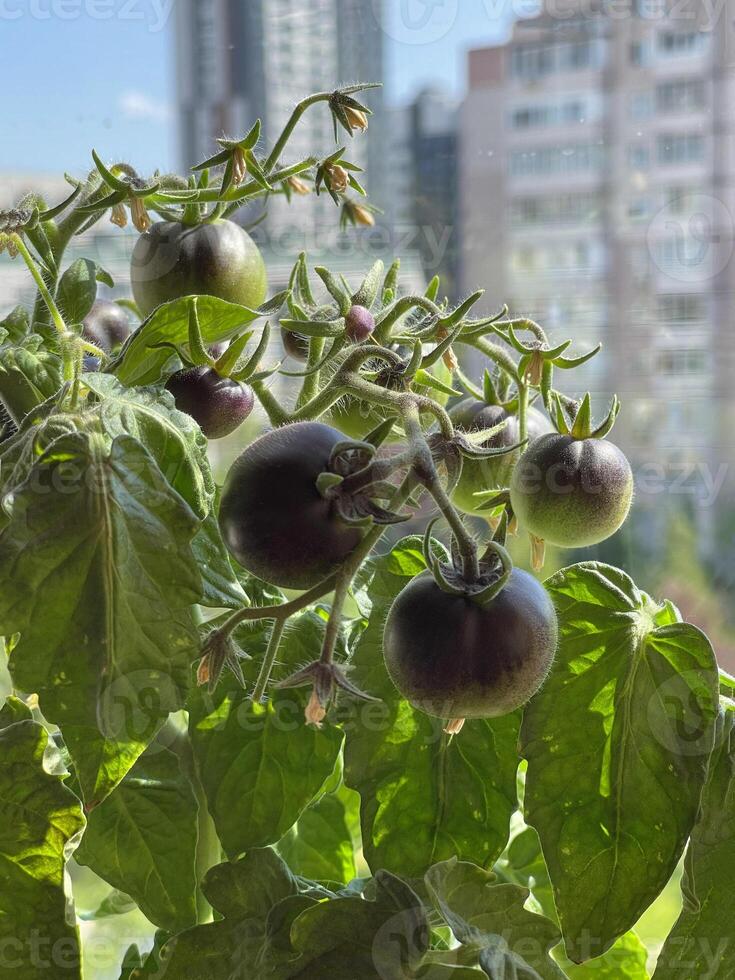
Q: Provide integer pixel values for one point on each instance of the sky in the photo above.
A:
(79, 74)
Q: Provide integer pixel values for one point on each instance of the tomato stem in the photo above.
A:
(269, 660)
(523, 411)
(42, 287)
(425, 470)
(288, 129)
(310, 385)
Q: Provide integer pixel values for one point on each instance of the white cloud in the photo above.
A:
(138, 105)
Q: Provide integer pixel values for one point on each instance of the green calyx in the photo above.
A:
(495, 567)
(575, 418)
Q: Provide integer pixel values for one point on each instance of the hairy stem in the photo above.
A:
(404, 305)
(397, 400)
(276, 415)
(43, 289)
(290, 126)
(426, 472)
(269, 660)
(310, 385)
(352, 565)
(523, 411)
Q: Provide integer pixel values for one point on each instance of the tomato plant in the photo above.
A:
(418, 761)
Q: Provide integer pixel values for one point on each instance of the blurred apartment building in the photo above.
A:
(424, 198)
(597, 176)
(239, 61)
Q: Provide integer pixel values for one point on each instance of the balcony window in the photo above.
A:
(682, 363)
(684, 95)
(548, 160)
(680, 148)
(675, 43)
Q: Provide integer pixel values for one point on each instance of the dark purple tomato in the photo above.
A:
(453, 658)
(106, 325)
(220, 259)
(471, 415)
(571, 492)
(359, 324)
(218, 404)
(272, 517)
(295, 344)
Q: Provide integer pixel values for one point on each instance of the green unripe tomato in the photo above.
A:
(571, 492)
(471, 415)
(172, 260)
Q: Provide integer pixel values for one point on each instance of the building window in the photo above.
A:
(557, 160)
(557, 209)
(680, 148)
(682, 308)
(554, 114)
(677, 363)
(639, 157)
(531, 61)
(675, 43)
(682, 199)
(684, 95)
(683, 255)
(640, 54)
(641, 105)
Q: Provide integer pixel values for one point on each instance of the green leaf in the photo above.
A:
(17, 324)
(524, 864)
(617, 743)
(14, 710)
(385, 936)
(220, 586)
(173, 438)
(499, 961)
(260, 764)
(96, 574)
(142, 840)
(478, 908)
(244, 894)
(39, 821)
(702, 942)
(426, 796)
(136, 966)
(29, 374)
(319, 845)
(115, 903)
(77, 289)
(251, 886)
(626, 960)
(142, 360)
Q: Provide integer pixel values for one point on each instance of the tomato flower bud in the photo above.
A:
(139, 214)
(239, 165)
(315, 712)
(337, 178)
(356, 118)
(298, 186)
(119, 216)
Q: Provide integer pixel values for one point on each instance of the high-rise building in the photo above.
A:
(597, 181)
(421, 183)
(239, 60)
